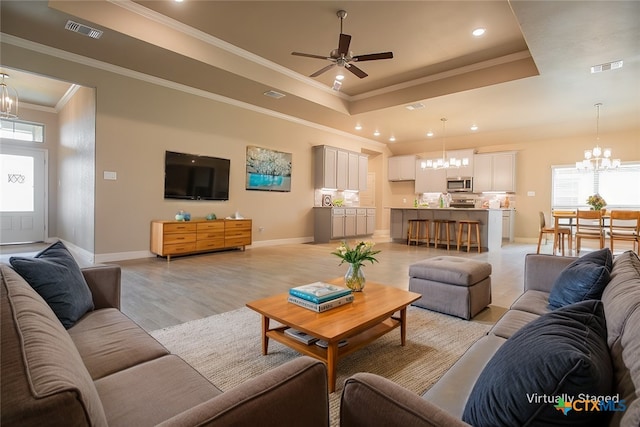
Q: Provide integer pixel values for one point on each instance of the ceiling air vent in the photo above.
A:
(416, 106)
(83, 29)
(274, 94)
(606, 66)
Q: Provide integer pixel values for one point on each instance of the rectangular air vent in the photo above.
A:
(416, 106)
(83, 29)
(606, 66)
(274, 94)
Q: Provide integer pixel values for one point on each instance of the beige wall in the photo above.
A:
(76, 170)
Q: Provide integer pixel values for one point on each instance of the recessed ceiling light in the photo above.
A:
(430, 134)
(376, 133)
(340, 77)
(392, 139)
(474, 127)
(358, 126)
(478, 32)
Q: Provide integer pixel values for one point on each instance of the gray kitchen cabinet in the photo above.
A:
(402, 168)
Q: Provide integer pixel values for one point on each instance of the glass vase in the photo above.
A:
(354, 279)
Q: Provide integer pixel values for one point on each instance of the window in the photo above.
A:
(619, 187)
(21, 131)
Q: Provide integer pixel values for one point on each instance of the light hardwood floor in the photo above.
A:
(157, 294)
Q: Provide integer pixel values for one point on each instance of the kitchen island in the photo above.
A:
(490, 223)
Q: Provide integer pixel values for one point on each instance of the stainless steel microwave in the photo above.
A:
(460, 184)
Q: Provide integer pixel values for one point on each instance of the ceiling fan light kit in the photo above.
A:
(342, 57)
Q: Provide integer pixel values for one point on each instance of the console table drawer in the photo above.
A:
(213, 225)
(179, 238)
(203, 245)
(180, 227)
(237, 241)
(183, 248)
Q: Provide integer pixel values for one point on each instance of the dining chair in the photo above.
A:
(563, 230)
(543, 229)
(625, 226)
(589, 226)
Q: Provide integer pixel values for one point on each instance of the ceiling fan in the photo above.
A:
(341, 56)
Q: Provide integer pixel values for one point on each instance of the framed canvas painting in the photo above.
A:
(268, 170)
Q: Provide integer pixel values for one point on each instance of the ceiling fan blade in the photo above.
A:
(308, 55)
(343, 44)
(373, 56)
(327, 68)
(357, 71)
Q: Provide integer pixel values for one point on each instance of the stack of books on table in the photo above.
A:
(320, 296)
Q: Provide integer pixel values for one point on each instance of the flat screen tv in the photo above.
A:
(192, 177)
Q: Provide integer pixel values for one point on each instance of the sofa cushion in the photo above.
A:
(109, 341)
(602, 257)
(536, 302)
(562, 353)
(583, 279)
(56, 276)
(511, 322)
(151, 392)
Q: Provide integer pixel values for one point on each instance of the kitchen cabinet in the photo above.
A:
(361, 222)
(402, 168)
(349, 222)
(342, 172)
(340, 223)
(429, 180)
(363, 171)
(494, 172)
(371, 221)
(462, 170)
(508, 225)
(337, 223)
(339, 169)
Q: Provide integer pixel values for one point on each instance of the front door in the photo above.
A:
(23, 174)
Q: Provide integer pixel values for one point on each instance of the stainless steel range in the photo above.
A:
(463, 203)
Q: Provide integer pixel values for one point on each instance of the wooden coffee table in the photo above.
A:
(370, 316)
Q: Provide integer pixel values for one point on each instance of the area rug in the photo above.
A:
(226, 349)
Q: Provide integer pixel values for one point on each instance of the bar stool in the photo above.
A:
(437, 225)
(469, 223)
(415, 231)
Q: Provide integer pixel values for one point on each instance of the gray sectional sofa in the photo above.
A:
(105, 370)
(369, 400)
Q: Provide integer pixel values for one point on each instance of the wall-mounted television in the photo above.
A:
(193, 177)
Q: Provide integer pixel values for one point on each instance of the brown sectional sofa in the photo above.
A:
(106, 370)
(369, 400)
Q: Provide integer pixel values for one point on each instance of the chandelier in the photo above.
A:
(444, 163)
(597, 158)
(8, 101)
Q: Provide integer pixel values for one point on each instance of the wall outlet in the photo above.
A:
(111, 176)
(531, 193)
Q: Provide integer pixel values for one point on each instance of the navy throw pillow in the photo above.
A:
(55, 275)
(600, 257)
(562, 354)
(582, 280)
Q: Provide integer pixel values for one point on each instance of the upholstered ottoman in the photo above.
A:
(457, 286)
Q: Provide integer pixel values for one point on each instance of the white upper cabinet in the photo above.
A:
(429, 180)
(340, 169)
(462, 170)
(402, 168)
(494, 172)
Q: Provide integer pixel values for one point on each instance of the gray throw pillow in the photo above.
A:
(562, 354)
(56, 276)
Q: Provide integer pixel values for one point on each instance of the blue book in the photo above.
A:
(319, 292)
